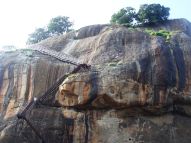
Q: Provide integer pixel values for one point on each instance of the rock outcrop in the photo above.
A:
(138, 89)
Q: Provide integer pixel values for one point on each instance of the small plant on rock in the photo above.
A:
(166, 34)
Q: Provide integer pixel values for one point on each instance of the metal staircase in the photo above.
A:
(50, 93)
(58, 55)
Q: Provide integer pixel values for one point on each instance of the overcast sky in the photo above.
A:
(20, 17)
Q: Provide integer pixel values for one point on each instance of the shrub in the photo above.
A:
(166, 34)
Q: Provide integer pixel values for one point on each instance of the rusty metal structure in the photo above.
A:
(50, 93)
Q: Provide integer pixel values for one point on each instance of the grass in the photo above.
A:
(163, 33)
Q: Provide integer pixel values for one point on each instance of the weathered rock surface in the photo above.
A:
(137, 91)
(23, 76)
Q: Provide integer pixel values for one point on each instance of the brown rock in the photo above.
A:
(137, 91)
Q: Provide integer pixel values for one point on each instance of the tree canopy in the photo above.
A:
(38, 35)
(56, 26)
(152, 13)
(59, 25)
(124, 16)
(147, 14)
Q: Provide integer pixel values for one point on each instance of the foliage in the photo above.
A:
(56, 26)
(124, 16)
(38, 35)
(166, 34)
(147, 14)
(59, 25)
(152, 13)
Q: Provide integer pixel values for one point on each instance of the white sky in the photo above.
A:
(20, 17)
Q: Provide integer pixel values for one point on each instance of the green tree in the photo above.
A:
(59, 25)
(124, 16)
(56, 26)
(38, 35)
(153, 13)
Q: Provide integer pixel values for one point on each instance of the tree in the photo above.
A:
(153, 13)
(147, 14)
(37, 36)
(124, 16)
(56, 26)
(59, 25)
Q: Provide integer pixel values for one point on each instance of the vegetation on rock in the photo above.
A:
(166, 34)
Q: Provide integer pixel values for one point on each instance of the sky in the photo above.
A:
(18, 18)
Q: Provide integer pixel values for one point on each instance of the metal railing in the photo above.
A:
(49, 94)
(58, 55)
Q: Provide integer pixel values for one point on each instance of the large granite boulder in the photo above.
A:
(137, 90)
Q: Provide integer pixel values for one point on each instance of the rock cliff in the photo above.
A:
(138, 89)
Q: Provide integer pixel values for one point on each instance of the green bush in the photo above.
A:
(166, 34)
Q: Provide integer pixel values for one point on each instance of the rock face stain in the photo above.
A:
(180, 64)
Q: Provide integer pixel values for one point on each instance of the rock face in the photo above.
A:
(138, 89)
